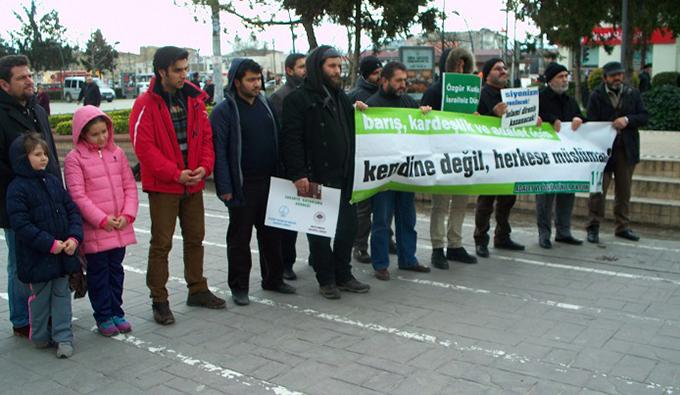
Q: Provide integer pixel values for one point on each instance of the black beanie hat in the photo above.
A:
(368, 65)
(552, 70)
(488, 66)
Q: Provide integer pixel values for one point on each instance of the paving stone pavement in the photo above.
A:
(571, 320)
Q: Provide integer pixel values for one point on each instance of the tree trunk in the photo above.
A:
(217, 51)
(576, 52)
(308, 24)
(357, 42)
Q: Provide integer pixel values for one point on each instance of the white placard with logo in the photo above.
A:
(315, 214)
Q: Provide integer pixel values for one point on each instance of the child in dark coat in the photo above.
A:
(48, 230)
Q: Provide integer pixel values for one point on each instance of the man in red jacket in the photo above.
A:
(172, 137)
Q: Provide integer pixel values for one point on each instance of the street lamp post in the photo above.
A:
(472, 43)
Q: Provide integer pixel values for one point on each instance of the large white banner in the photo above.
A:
(443, 152)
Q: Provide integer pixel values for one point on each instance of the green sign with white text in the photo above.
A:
(460, 92)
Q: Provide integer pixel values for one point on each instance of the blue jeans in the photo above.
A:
(384, 205)
(17, 291)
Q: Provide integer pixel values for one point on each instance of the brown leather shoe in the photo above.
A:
(162, 313)
(382, 274)
(416, 268)
(22, 331)
(206, 299)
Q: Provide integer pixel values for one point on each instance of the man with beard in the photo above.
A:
(494, 78)
(295, 74)
(555, 107)
(318, 146)
(401, 205)
(366, 86)
(19, 115)
(622, 105)
(457, 60)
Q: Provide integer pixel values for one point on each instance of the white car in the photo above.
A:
(72, 86)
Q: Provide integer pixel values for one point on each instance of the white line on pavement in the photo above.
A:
(416, 336)
(205, 366)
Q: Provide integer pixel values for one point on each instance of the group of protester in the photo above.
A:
(304, 132)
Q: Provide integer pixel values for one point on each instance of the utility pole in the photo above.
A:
(217, 51)
(625, 40)
(443, 27)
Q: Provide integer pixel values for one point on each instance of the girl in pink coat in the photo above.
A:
(100, 182)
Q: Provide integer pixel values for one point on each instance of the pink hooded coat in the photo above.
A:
(101, 184)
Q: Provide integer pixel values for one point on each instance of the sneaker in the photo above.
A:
(289, 274)
(438, 259)
(355, 286)
(460, 254)
(162, 313)
(122, 324)
(107, 328)
(206, 299)
(22, 331)
(240, 298)
(329, 291)
(64, 350)
(361, 256)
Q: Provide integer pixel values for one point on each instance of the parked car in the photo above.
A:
(72, 86)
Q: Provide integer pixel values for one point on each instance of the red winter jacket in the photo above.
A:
(155, 142)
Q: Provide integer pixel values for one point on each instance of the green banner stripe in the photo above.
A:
(413, 121)
(475, 189)
(520, 188)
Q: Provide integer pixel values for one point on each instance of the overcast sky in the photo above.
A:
(135, 23)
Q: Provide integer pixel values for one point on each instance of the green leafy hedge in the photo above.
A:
(665, 78)
(597, 75)
(663, 105)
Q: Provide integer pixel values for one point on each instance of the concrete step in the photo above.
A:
(658, 167)
(665, 188)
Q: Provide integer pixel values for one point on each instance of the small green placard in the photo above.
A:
(460, 92)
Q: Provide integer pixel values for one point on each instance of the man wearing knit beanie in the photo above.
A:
(555, 107)
(370, 69)
(494, 78)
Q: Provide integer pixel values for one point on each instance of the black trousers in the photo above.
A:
(483, 213)
(332, 263)
(241, 222)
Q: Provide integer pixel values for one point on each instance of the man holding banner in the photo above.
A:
(555, 107)
(318, 146)
(459, 60)
(495, 78)
(401, 205)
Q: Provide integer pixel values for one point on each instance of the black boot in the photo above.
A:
(438, 259)
(460, 255)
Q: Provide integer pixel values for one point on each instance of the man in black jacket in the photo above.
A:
(318, 146)
(19, 115)
(89, 93)
(646, 78)
(495, 78)
(622, 106)
(295, 74)
(366, 86)
(246, 120)
(555, 107)
(388, 204)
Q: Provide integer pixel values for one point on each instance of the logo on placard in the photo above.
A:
(319, 217)
(283, 211)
